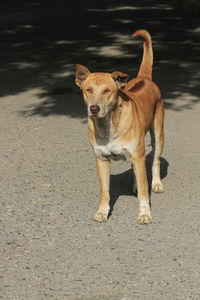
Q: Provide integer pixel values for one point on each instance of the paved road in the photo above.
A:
(50, 246)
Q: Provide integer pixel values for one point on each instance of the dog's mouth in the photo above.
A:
(95, 111)
(96, 116)
(100, 115)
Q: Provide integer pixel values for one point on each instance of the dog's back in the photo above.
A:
(142, 90)
(145, 94)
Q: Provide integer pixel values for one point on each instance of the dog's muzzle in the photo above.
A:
(94, 109)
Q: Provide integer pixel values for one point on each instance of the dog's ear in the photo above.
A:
(120, 78)
(81, 74)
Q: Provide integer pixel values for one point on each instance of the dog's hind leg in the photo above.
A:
(134, 181)
(103, 170)
(157, 141)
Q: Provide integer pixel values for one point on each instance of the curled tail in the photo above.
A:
(147, 60)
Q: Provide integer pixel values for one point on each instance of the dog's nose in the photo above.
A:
(94, 109)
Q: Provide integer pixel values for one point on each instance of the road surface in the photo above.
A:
(50, 246)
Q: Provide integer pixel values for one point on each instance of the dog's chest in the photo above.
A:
(110, 144)
(110, 150)
(114, 150)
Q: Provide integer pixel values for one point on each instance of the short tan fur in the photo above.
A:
(120, 113)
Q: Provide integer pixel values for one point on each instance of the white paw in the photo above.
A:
(157, 188)
(101, 215)
(144, 212)
(145, 218)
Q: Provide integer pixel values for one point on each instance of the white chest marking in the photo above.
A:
(108, 149)
(113, 148)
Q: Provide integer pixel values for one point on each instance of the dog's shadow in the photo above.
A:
(122, 184)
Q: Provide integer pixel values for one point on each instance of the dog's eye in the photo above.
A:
(106, 91)
(89, 90)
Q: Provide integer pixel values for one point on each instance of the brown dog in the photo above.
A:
(118, 121)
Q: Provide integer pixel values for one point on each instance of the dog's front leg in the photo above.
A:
(142, 186)
(103, 170)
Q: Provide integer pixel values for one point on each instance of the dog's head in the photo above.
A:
(99, 89)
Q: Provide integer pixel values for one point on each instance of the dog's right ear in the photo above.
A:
(81, 74)
(120, 78)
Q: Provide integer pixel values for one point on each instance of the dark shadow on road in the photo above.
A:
(121, 184)
(41, 41)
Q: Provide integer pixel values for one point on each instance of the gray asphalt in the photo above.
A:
(50, 246)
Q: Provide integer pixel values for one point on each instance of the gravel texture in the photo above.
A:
(50, 246)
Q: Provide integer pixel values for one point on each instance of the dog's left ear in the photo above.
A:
(120, 78)
(81, 74)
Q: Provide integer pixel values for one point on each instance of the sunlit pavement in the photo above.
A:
(50, 246)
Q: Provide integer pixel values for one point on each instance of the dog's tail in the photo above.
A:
(147, 60)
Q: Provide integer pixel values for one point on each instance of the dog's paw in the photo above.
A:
(100, 216)
(145, 218)
(157, 188)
